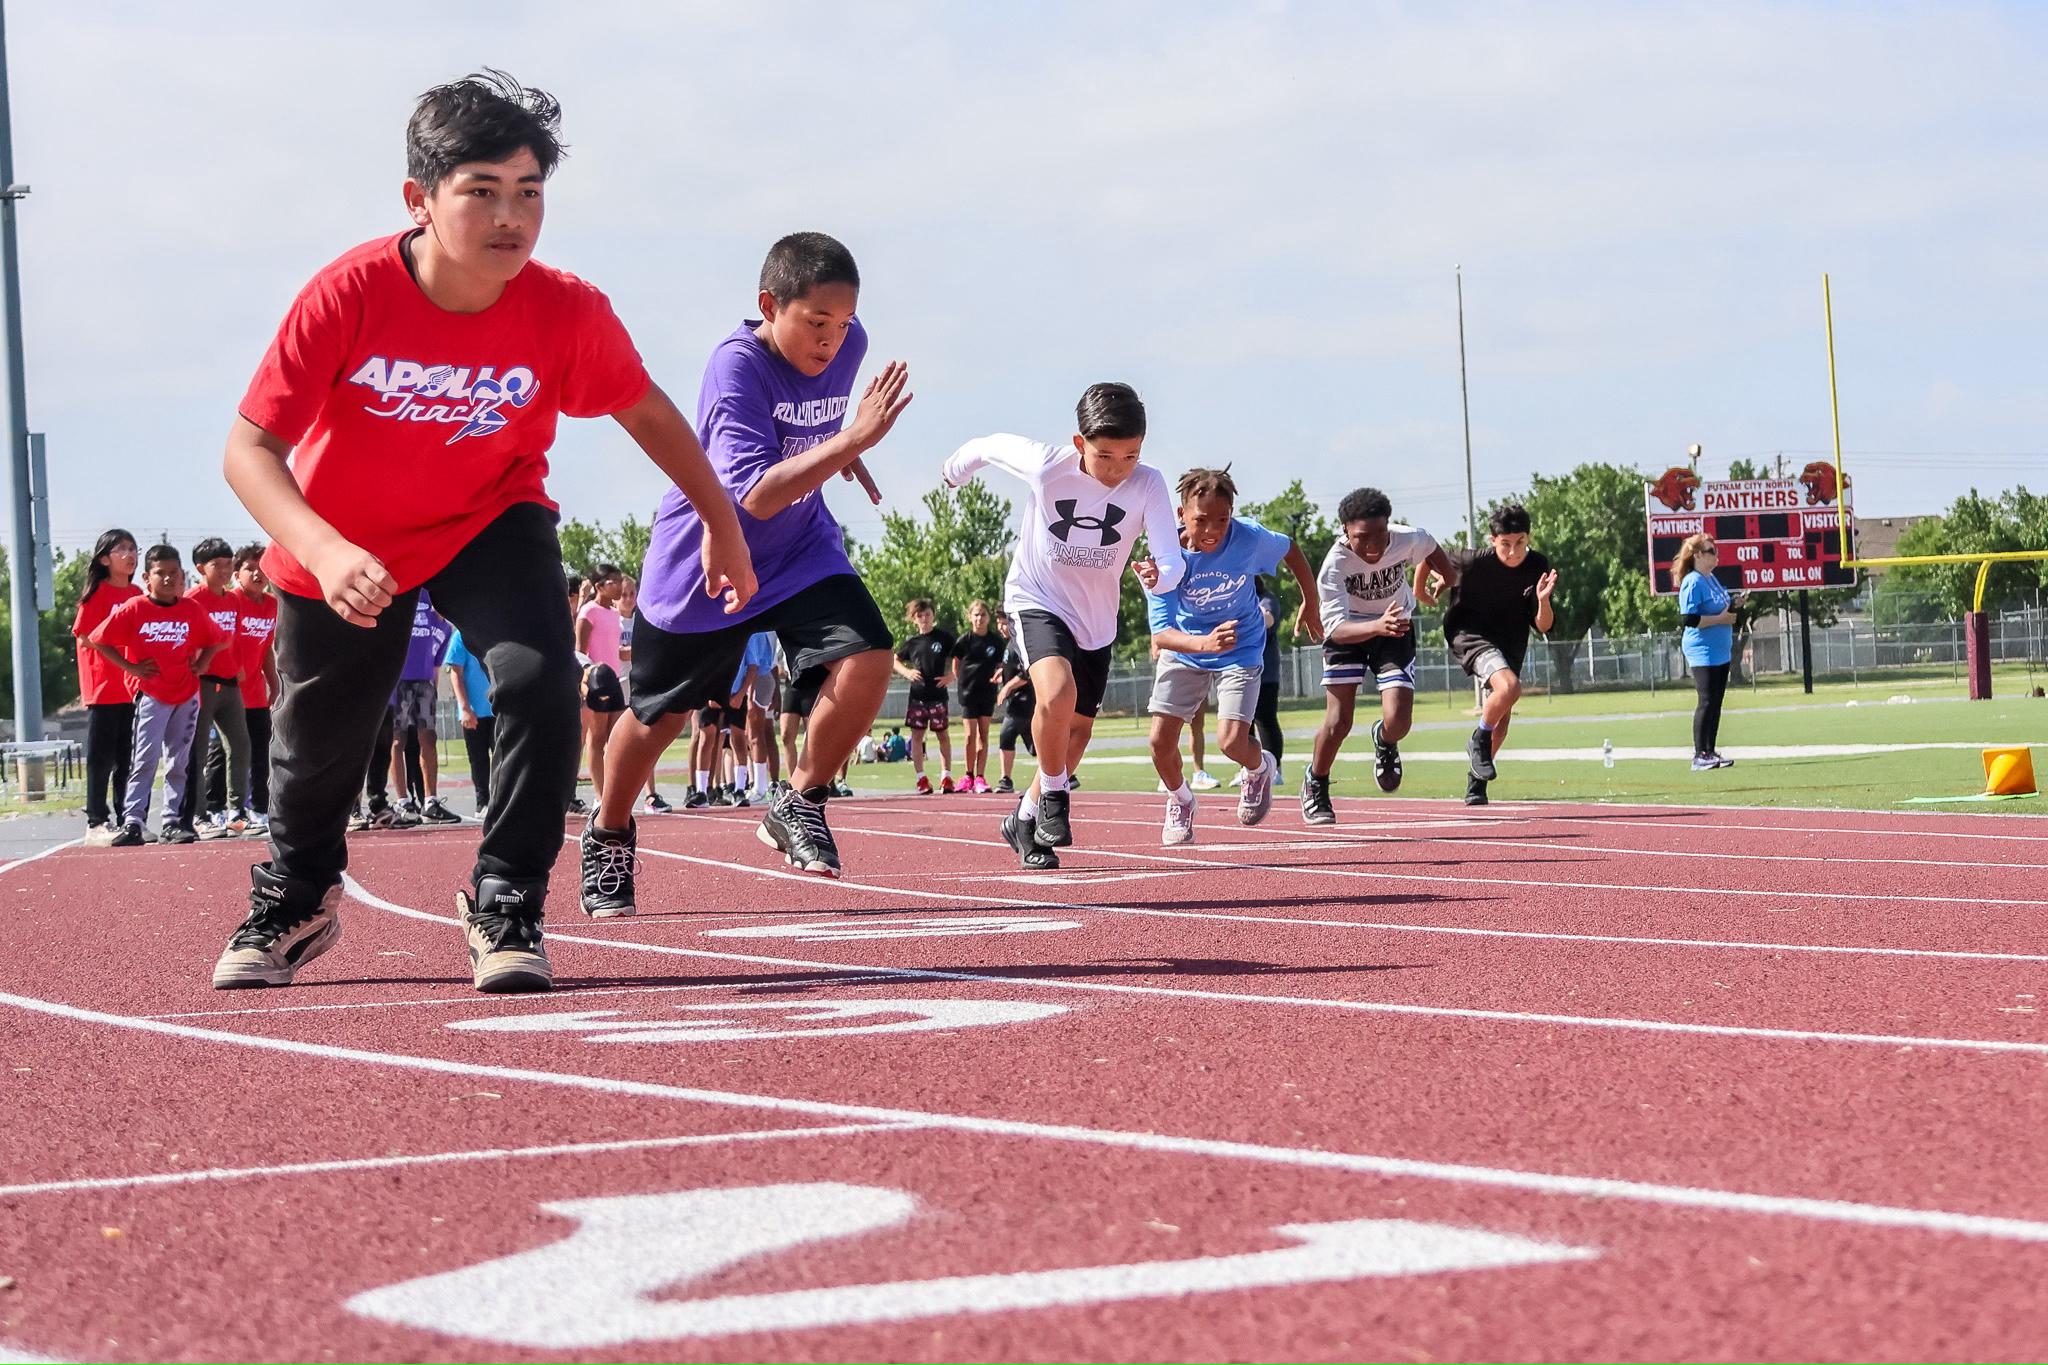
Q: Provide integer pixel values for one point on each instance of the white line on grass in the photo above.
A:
(1579, 1186)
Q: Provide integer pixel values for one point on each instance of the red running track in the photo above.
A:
(1532, 1082)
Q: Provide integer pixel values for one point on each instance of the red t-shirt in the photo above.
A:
(252, 644)
(225, 611)
(143, 628)
(415, 427)
(99, 682)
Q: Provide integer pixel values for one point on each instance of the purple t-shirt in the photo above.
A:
(429, 642)
(754, 411)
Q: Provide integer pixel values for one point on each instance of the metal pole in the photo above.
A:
(28, 677)
(1465, 402)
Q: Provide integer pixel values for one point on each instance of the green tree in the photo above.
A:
(1975, 524)
(1292, 514)
(56, 648)
(585, 545)
(1591, 525)
(958, 553)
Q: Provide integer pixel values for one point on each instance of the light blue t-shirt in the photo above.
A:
(760, 654)
(1221, 586)
(474, 679)
(1700, 595)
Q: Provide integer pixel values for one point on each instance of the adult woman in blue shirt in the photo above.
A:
(1708, 612)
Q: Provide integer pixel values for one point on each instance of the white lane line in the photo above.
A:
(1580, 1186)
(379, 1163)
(363, 894)
(985, 898)
(1480, 879)
(14, 1355)
(39, 856)
(565, 993)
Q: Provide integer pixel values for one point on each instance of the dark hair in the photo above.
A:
(249, 554)
(1207, 483)
(485, 116)
(802, 261)
(1363, 504)
(97, 573)
(574, 582)
(1111, 410)
(210, 549)
(916, 605)
(1510, 518)
(604, 571)
(159, 553)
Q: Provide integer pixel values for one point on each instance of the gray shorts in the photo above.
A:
(763, 692)
(416, 700)
(1180, 688)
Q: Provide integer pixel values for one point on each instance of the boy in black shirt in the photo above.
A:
(926, 659)
(979, 656)
(1497, 594)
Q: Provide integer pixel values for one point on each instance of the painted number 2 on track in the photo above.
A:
(594, 1289)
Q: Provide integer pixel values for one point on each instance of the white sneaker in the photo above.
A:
(1202, 782)
(101, 836)
(1255, 800)
(215, 827)
(259, 824)
(1180, 822)
(1237, 778)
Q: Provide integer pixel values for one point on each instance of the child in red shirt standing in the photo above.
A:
(162, 641)
(436, 362)
(109, 706)
(255, 624)
(220, 696)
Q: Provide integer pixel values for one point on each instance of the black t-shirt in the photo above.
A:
(1270, 660)
(1014, 667)
(1492, 601)
(927, 655)
(980, 656)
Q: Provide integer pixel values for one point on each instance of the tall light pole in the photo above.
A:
(1465, 401)
(28, 677)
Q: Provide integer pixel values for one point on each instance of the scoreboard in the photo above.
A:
(1773, 534)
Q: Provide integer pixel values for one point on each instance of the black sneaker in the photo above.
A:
(406, 815)
(740, 797)
(1021, 834)
(502, 924)
(721, 795)
(1475, 791)
(1386, 761)
(128, 836)
(1315, 800)
(1479, 749)
(841, 789)
(1006, 786)
(795, 827)
(1051, 828)
(357, 819)
(656, 805)
(577, 806)
(175, 833)
(696, 800)
(290, 923)
(434, 813)
(610, 858)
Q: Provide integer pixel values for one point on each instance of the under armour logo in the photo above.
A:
(1105, 524)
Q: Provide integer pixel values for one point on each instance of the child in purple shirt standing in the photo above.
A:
(776, 394)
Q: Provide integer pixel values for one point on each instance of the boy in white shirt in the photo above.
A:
(1368, 627)
(1085, 506)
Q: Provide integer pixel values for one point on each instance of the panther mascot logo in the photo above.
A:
(1674, 488)
(1819, 478)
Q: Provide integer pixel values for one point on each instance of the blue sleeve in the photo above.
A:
(1272, 548)
(1158, 612)
(458, 653)
(1692, 595)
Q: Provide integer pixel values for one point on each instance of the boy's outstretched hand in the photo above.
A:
(879, 408)
(1308, 623)
(1147, 570)
(354, 582)
(1545, 585)
(1394, 620)
(728, 570)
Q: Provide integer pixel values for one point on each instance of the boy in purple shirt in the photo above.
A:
(777, 393)
(413, 706)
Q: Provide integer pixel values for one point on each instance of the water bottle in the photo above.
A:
(1606, 753)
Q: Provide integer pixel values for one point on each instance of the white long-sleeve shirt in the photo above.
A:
(1077, 534)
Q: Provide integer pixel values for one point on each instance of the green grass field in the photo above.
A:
(1776, 713)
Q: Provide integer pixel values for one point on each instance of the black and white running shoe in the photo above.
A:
(434, 813)
(1475, 791)
(1315, 800)
(501, 924)
(1479, 749)
(1021, 833)
(289, 924)
(1051, 828)
(795, 827)
(1386, 761)
(610, 858)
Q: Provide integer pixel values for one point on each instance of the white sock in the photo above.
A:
(1053, 782)
(1027, 809)
(761, 776)
(703, 779)
(1184, 794)
(946, 773)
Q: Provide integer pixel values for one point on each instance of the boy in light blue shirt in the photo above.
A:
(472, 688)
(1209, 628)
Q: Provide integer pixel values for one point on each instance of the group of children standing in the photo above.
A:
(442, 356)
(987, 666)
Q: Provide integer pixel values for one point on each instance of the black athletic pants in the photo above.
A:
(1266, 720)
(377, 774)
(258, 718)
(1710, 683)
(477, 739)
(503, 591)
(109, 747)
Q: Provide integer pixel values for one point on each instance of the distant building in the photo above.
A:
(1878, 537)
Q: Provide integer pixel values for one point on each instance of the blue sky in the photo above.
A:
(1252, 212)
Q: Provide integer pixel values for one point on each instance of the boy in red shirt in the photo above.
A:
(220, 694)
(163, 642)
(255, 624)
(414, 389)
